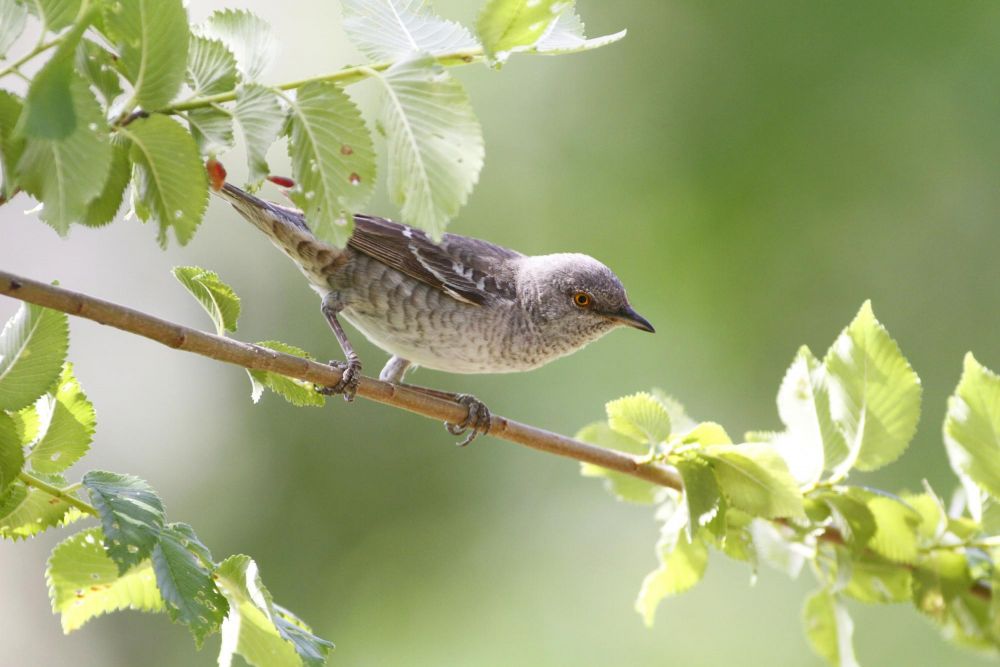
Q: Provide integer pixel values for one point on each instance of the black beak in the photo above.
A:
(629, 317)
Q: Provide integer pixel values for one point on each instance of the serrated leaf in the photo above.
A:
(896, 535)
(85, 583)
(103, 209)
(52, 107)
(186, 585)
(13, 18)
(28, 424)
(622, 486)
(49, 169)
(333, 161)
(212, 129)
(829, 629)
(296, 392)
(247, 36)
(25, 511)
(55, 14)
(640, 417)
(11, 452)
(263, 633)
(131, 515)
(33, 347)
(99, 67)
(67, 426)
(972, 426)
(392, 29)
(682, 565)
(701, 494)
(852, 518)
(211, 67)
(261, 118)
(874, 579)
(152, 38)
(11, 143)
(680, 421)
(874, 394)
(170, 179)
(434, 141)
(930, 508)
(566, 35)
(705, 434)
(754, 478)
(505, 26)
(216, 297)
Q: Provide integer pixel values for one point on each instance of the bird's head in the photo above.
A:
(576, 294)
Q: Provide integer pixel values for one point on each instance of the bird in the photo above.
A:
(459, 305)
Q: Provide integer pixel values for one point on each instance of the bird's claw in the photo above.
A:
(478, 420)
(350, 376)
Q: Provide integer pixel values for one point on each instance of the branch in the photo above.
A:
(259, 358)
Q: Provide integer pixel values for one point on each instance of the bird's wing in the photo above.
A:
(466, 269)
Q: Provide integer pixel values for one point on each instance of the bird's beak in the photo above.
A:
(629, 317)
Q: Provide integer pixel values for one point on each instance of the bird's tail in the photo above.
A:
(287, 229)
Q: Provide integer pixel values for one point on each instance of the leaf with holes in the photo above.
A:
(247, 36)
(392, 29)
(131, 515)
(33, 347)
(27, 511)
(67, 423)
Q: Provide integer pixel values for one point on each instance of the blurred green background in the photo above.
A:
(752, 171)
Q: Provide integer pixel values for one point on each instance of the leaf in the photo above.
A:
(852, 518)
(393, 29)
(50, 107)
(701, 494)
(248, 37)
(680, 422)
(216, 297)
(682, 565)
(263, 633)
(333, 161)
(878, 580)
(640, 417)
(296, 392)
(972, 426)
(434, 141)
(85, 583)
(705, 434)
(13, 18)
(874, 394)
(212, 129)
(566, 35)
(622, 486)
(33, 347)
(776, 545)
(103, 209)
(11, 143)
(211, 67)
(261, 119)
(186, 584)
(896, 535)
(11, 452)
(131, 514)
(170, 179)
(98, 66)
(755, 479)
(829, 629)
(55, 14)
(505, 26)
(68, 421)
(25, 512)
(50, 168)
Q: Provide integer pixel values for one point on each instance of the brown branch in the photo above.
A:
(260, 358)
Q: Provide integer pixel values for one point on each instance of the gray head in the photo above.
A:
(576, 294)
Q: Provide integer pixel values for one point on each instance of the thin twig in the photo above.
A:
(260, 358)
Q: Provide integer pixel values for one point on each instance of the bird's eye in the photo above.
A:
(582, 300)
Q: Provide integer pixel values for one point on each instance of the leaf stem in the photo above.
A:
(66, 495)
(41, 48)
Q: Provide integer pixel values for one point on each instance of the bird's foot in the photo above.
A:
(350, 376)
(477, 421)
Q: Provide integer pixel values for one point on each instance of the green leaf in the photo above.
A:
(131, 514)
(103, 209)
(852, 518)
(50, 168)
(51, 107)
(333, 161)
(11, 452)
(388, 30)
(263, 633)
(170, 179)
(874, 394)
(622, 486)
(25, 511)
(13, 18)
(972, 426)
(186, 584)
(68, 423)
(682, 565)
(216, 297)
(85, 583)
(505, 26)
(33, 347)
(434, 140)
(296, 392)
(211, 67)
(933, 515)
(261, 119)
(829, 629)
(896, 535)
(680, 422)
(100, 68)
(248, 37)
(55, 14)
(705, 434)
(874, 579)
(701, 494)
(777, 546)
(754, 478)
(640, 417)
(152, 37)
(212, 129)
(566, 35)
(11, 143)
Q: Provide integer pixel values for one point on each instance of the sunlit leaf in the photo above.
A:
(216, 297)
(851, 517)
(11, 452)
(247, 36)
(875, 579)
(566, 35)
(754, 478)
(682, 565)
(27, 511)
(896, 533)
(972, 426)
(622, 486)
(131, 515)
(505, 26)
(67, 426)
(392, 29)
(829, 629)
(13, 18)
(702, 495)
(32, 350)
(640, 417)
(295, 391)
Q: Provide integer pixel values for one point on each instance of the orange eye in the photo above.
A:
(581, 299)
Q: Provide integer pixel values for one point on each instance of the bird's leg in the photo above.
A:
(478, 419)
(351, 371)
